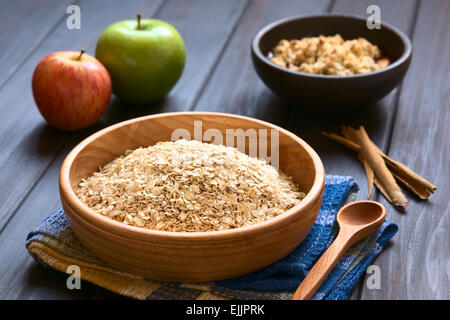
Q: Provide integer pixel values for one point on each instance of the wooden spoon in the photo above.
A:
(356, 220)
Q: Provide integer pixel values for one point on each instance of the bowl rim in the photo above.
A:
(402, 59)
(82, 211)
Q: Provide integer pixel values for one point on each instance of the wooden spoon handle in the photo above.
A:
(321, 269)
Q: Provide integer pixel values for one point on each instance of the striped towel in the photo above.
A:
(54, 245)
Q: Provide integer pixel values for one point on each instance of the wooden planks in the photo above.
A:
(234, 86)
(205, 27)
(417, 265)
(377, 119)
(24, 25)
(21, 277)
(218, 22)
(219, 76)
(31, 144)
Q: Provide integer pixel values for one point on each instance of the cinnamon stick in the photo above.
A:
(342, 140)
(409, 178)
(369, 174)
(372, 156)
(414, 182)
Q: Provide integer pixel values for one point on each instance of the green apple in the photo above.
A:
(144, 58)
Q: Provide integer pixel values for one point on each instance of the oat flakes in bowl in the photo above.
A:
(189, 186)
(191, 256)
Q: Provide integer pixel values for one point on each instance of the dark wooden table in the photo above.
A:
(411, 124)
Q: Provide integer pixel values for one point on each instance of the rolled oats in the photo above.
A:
(188, 186)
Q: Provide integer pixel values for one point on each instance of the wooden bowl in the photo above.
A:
(189, 256)
(330, 94)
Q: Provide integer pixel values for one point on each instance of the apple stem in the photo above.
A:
(139, 21)
(81, 53)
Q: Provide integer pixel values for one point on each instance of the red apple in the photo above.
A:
(71, 89)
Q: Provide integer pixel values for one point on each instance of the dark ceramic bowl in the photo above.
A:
(326, 93)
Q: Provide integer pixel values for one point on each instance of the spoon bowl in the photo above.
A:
(359, 219)
(361, 213)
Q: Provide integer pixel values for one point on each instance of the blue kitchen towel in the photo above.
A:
(54, 245)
